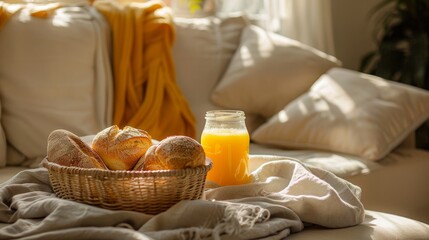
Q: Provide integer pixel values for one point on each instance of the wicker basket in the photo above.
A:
(150, 192)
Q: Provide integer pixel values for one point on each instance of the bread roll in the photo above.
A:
(150, 152)
(67, 149)
(176, 152)
(121, 149)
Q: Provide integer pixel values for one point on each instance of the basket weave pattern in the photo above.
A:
(150, 192)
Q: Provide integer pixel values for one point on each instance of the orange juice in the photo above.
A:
(229, 151)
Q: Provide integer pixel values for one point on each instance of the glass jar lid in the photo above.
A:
(225, 115)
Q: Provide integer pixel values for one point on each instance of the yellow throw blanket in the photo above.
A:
(146, 92)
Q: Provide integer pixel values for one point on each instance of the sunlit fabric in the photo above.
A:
(55, 73)
(146, 93)
(41, 11)
(348, 112)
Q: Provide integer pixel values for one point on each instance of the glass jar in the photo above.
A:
(226, 142)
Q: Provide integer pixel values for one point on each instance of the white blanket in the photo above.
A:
(283, 196)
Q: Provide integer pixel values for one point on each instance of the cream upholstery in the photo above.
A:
(56, 75)
(375, 226)
(202, 51)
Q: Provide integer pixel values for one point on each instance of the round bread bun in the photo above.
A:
(121, 149)
(67, 149)
(175, 152)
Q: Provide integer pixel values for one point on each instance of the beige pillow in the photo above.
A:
(253, 122)
(348, 112)
(56, 75)
(268, 71)
(202, 51)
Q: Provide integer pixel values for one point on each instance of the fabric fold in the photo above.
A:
(146, 93)
(284, 196)
(302, 189)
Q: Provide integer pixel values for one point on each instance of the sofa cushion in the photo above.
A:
(202, 51)
(349, 112)
(268, 71)
(52, 75)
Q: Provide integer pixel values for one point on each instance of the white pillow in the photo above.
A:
(349, 112)
(52, 75)
(268, 71)
(2, 144)
(202, 51)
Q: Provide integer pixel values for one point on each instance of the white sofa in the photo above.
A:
(394, 183)
(205, 54)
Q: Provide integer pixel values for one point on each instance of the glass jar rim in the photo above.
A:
(225, 115)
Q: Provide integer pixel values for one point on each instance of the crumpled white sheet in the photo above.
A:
(283, 196)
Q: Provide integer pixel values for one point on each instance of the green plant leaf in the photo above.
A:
(391, 59)
(195, 5)
(402, 37)
(380, 6)
(368, 62)
(414, 71)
